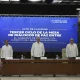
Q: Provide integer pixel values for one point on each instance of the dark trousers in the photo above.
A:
(71, 58)
(37, 58)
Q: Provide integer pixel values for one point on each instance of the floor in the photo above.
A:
(58, 77)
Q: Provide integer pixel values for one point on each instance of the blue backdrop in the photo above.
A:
(54, 32)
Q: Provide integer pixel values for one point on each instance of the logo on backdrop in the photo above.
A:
(59, 21)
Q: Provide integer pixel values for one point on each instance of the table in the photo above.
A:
(28, 66)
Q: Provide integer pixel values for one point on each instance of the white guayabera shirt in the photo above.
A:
(14, 0)
(6, 52)
(34, 0)
(4, 0)
(57, 1)
(71, 50)
(37, 49)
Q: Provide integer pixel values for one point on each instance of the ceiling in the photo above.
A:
(41, 9)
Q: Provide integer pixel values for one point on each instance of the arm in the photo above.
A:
(76, 50)
(43, 50)
(11, 53)
(2, 52)
(67, 51)
(32, 50)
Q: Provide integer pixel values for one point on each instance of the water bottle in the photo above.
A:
(21, 56)
(57, 57)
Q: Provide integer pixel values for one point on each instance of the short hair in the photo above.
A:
(71, 39)
(5, 40)
(38, 37)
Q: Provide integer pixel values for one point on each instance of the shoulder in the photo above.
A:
(3, 46)
(68, 44)
(34, 43)
(75, 44)
(41, 43)
(10, 46)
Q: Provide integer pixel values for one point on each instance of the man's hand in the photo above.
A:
(32, 57)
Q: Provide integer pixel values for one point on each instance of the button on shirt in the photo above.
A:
(37, 49)
(71, 50)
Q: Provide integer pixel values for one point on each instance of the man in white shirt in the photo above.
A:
(7, 51)
(37, 50)
(57, 1)
(71, 49)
